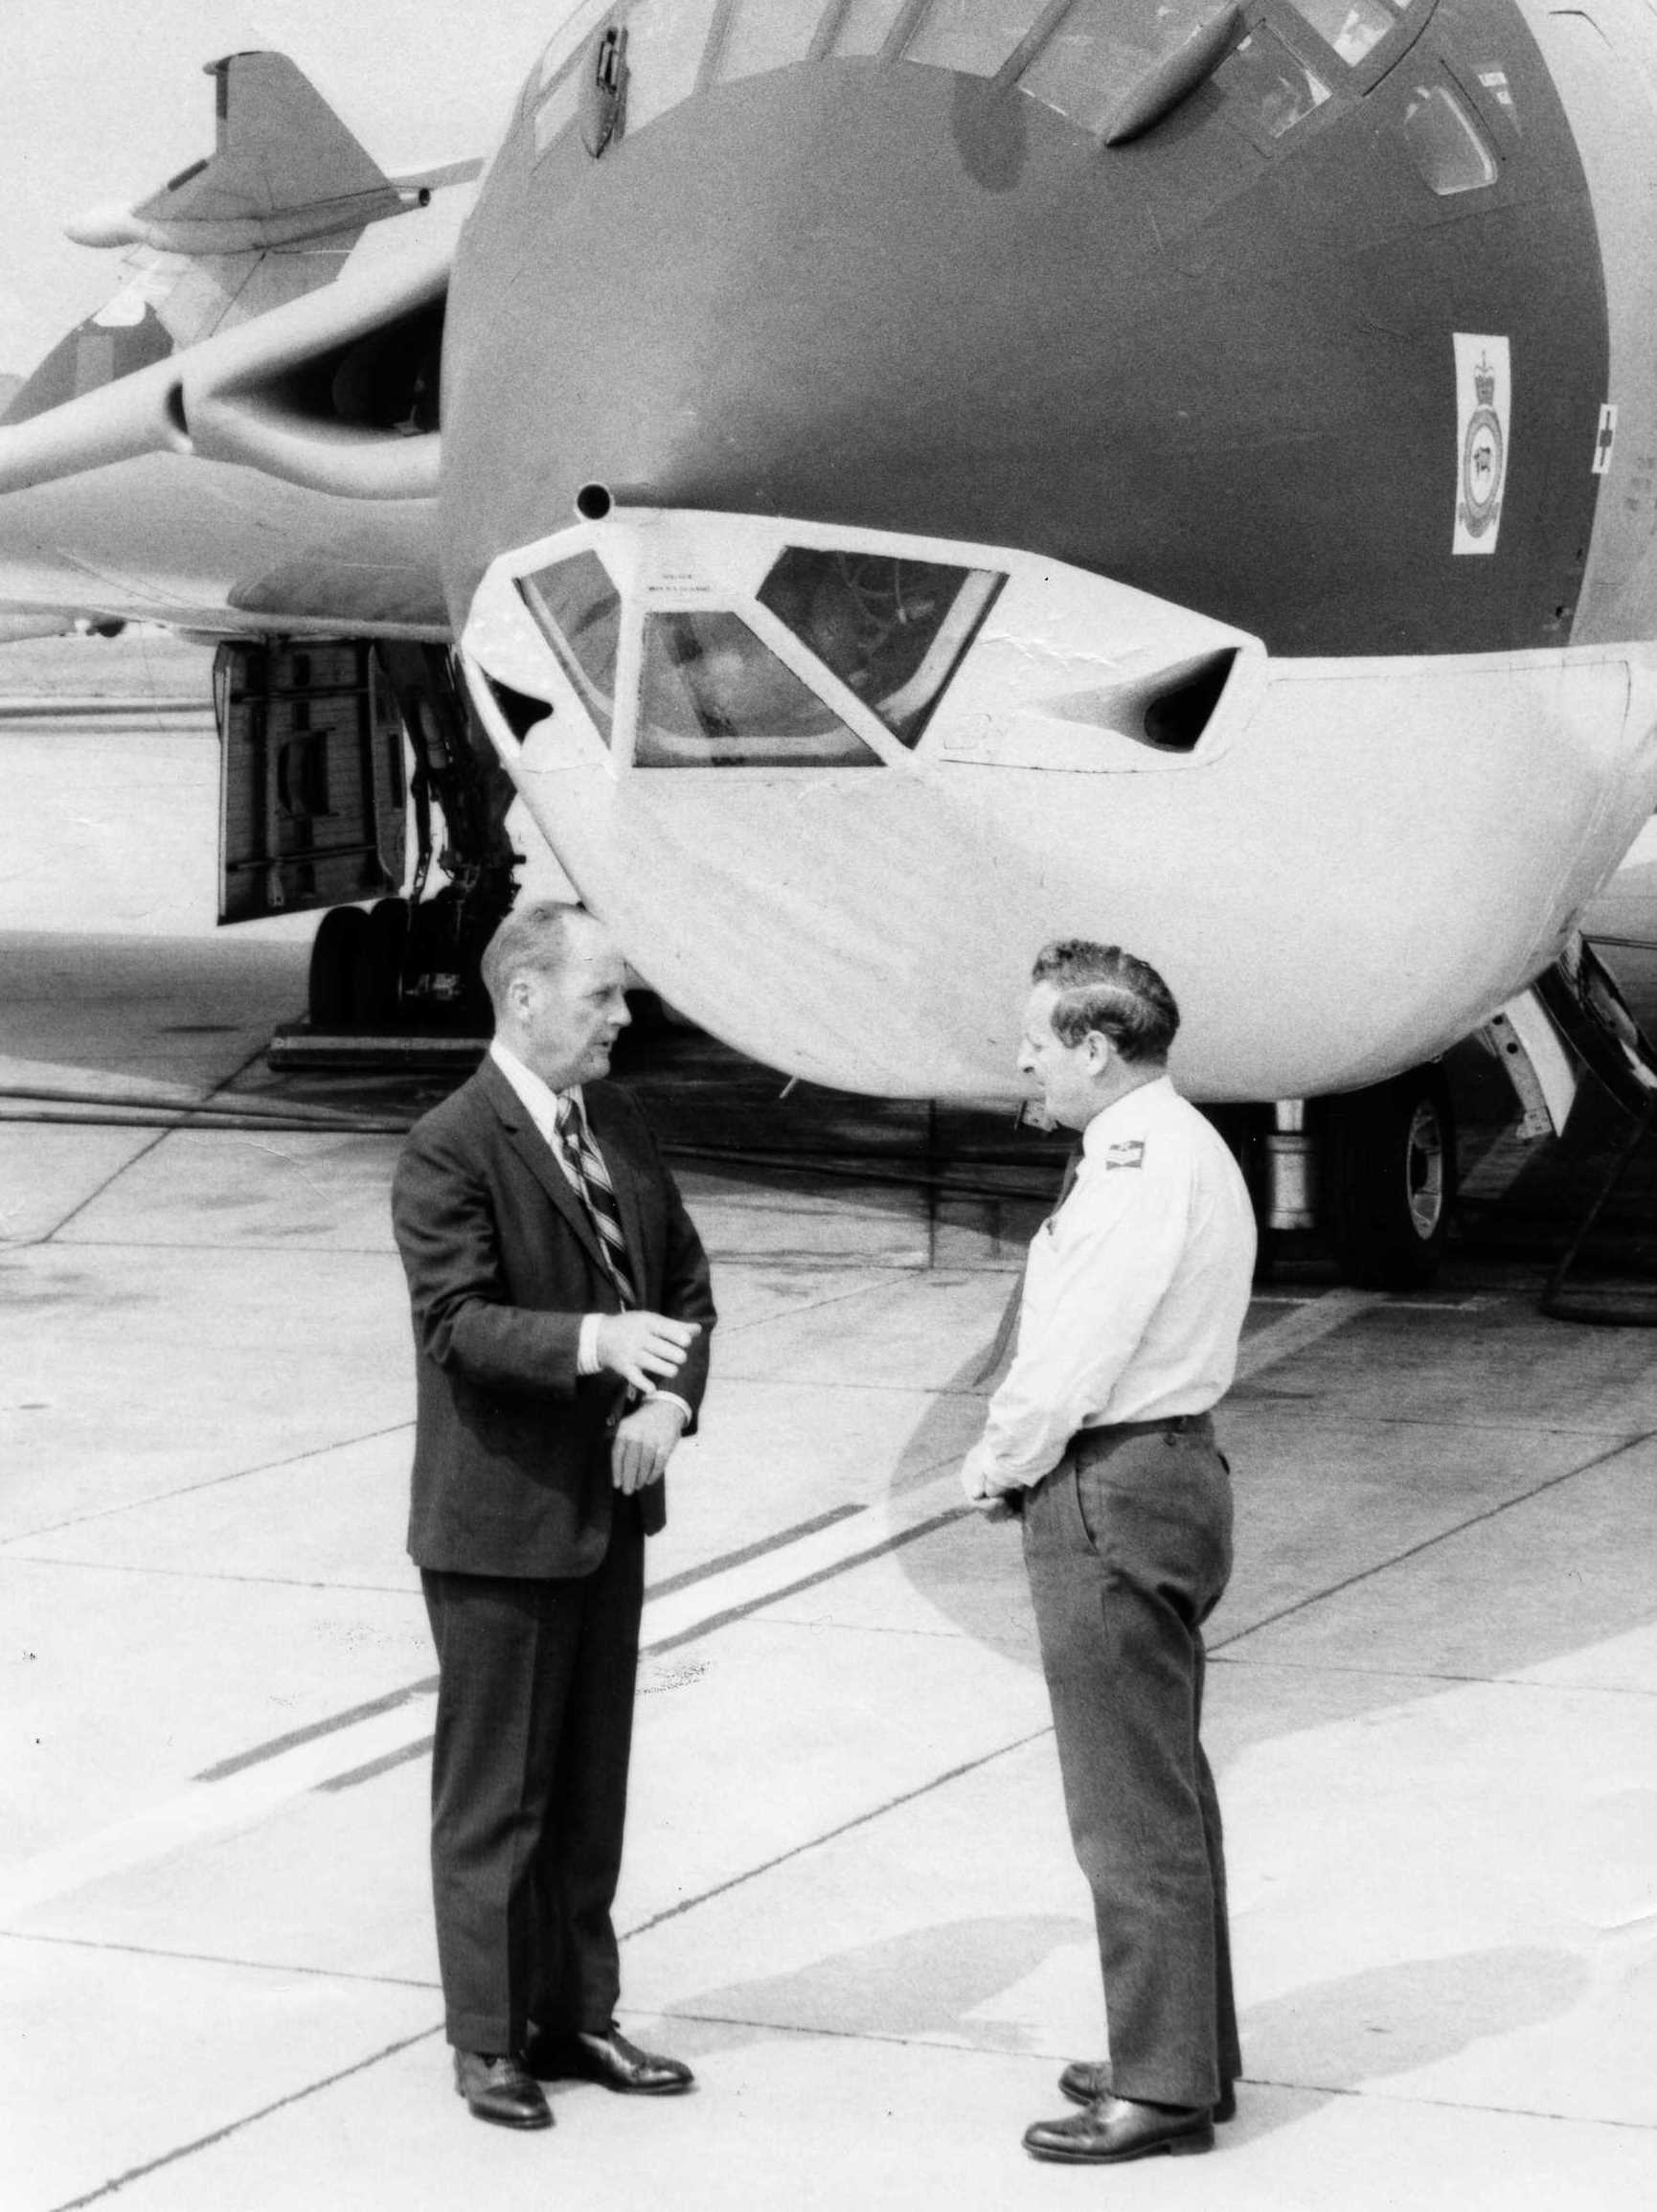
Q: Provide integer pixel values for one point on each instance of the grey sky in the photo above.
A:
(105, 101)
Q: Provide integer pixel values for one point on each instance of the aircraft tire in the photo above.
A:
(379, 954)
(1388, 1180)
(335, 962)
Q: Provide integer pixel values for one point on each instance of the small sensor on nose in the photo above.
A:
(593, 502)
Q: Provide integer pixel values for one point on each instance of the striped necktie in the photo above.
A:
(592, 1179)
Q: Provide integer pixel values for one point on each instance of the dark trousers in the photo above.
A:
(1127, 1547)
(529, 1791)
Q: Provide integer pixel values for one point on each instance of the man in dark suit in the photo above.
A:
(561, 1312)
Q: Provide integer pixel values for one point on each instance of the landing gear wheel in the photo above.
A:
(380, 952)
(1389, 1180)
(336, 952)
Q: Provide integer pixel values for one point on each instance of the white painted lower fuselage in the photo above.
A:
(1353, 865)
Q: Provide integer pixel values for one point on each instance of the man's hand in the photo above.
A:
(645, 1349)
(988, 1503)
(643, 1443)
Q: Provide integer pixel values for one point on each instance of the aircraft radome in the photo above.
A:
(905, 478)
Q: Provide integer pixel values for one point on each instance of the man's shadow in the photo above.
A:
(932, 1985)
(927, 1985)
(1359, 2032)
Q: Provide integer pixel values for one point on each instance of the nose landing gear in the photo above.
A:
(403, 974)
(362, 974)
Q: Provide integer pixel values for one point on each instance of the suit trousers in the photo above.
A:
(1127, 1544)
(535, 1682)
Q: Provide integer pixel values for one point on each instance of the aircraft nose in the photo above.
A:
(1212, 361)
(816, 293)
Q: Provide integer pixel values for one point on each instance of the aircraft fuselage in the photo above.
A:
(1331, 366)
(917, 478)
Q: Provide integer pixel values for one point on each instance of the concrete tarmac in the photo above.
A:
(849, 1900)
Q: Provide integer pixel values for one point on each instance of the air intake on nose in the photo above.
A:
(1175, 718)
(593, 502)
(520, 710)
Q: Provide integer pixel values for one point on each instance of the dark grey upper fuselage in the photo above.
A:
(1210, 363)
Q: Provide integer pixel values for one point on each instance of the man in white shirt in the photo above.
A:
(1133, 1303)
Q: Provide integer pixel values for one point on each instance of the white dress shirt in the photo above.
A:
(541, 1104)
(1135, 1294)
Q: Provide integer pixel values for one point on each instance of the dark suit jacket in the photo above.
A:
(511, 1472)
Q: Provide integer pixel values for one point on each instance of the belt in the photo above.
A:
(1108, 1434)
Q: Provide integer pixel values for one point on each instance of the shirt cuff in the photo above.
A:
(673, 1397)
(975, 1474)
(587, 1345)
(982, 1477)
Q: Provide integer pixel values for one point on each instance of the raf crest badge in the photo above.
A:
(1483, 399)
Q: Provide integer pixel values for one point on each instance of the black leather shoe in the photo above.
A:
(1084, 2080)
(610, 2059)
(1113, 2131)
(499, 2089)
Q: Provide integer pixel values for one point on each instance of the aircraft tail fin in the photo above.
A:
(280, 148)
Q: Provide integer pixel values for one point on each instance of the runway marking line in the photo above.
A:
(389, 1730)
(426, 1686)
(705, 1624)
(368, 1740)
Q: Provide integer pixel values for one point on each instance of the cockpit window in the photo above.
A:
(557, 109)
(713, 695)
(866, 26)
(755, 35)
(1444, 142)
(580, 613)
(665, 39)
(893, 630)
(1103, 48)
(1270, 88)
(970, 36)
(1352, 27)
(1084, 60)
